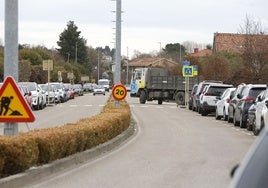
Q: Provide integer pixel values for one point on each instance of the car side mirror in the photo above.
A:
(234, 170)
(266, 103)
(239, 96)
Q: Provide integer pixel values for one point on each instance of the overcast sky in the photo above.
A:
(147, 24)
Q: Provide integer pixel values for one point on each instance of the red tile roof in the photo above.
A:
(201, 53)
(151, 61)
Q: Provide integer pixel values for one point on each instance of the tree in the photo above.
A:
(174, 51)
(72, 45)
(31, 55)
(216, 68)
(254, 52)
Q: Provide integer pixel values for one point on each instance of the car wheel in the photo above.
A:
(217, 115)
(242, 123)
(204, 113)
(249, 126)
(199, 110)
(236, 123)
(142, 97)
(229, 118)
(225, 116)
(255, 131)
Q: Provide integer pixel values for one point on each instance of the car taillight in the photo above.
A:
(208, 94)
(248, 99)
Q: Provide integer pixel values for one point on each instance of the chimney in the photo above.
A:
(195, 50)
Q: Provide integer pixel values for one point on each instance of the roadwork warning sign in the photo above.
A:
(13, 107)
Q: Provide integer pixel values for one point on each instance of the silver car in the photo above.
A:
(99, 89)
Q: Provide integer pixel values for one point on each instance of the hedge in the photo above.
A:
(38, 147)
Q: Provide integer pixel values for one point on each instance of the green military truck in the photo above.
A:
(159, 84)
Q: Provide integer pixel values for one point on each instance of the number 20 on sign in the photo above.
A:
(119, 92)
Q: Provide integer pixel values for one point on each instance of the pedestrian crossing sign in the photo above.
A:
(187, 71)
(13, 106)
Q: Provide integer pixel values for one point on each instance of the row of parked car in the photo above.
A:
(244, 105)
(39, 95)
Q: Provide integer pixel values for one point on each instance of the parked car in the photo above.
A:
(70, 91)
(233, 102)
(208, 98)
(99, 89)
(88, 87)
(26, 94)
(37, 96)
(199, 91)
(260, 113)
(245, 99)
(78, 89)
(251, 121)
(50, 92)
(61, 94)
(43, 96)
(191, 103)
(223, 103)
(252, 171)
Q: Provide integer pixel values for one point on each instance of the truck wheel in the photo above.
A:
(160, 101)
(179, 97)
(142, 97)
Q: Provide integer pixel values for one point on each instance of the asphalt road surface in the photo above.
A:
(173, 147)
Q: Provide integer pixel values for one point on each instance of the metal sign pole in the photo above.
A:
(11, 52)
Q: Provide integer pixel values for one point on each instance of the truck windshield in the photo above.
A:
(103, 82)
(137, 75)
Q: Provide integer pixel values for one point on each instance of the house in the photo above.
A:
(237, 43)
(152, 62)
(200, 53)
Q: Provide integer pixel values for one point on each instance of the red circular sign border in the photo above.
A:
(119, 85)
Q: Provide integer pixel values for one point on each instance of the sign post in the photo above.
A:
(48, 65)
(11, 53)
(187, 72)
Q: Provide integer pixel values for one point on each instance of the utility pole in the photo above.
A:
(98, 69)
(11, 52)
(127, 67)
(117, 74)
(75, 52)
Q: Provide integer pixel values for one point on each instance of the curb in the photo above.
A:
(41, 172)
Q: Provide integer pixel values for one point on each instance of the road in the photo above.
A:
(62, 113)
(173, 147)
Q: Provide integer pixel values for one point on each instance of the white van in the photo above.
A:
(105, 83)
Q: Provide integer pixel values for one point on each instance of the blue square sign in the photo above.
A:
(187, 71)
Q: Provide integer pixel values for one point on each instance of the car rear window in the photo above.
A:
(254, 92)
(216, 90)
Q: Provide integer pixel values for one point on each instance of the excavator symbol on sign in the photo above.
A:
(4, 107)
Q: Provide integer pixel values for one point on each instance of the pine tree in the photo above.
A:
(72, 45)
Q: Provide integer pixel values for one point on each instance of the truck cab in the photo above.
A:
(137, 81)
(105, 83)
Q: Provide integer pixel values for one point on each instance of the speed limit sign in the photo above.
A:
(119, 92)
